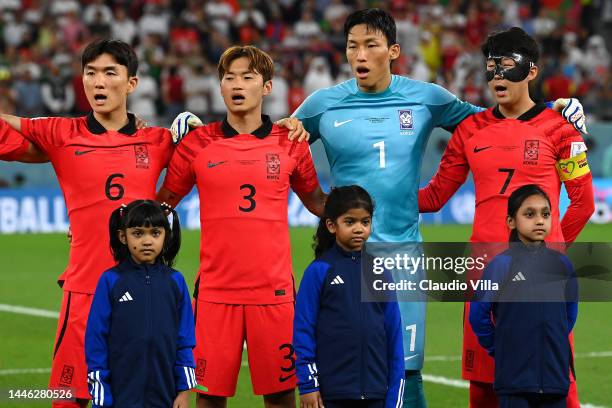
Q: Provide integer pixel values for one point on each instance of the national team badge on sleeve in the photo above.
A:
(66, 377)
(405, 117)
(142, 156)
(273, 166)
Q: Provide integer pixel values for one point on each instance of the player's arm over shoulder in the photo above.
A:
(180, 177)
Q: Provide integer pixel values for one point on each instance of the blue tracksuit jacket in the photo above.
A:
(528, 338)
(346, 348)
(139, 339)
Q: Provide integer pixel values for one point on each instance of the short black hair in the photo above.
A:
(376, 20)
(122, 52)
(515, 40)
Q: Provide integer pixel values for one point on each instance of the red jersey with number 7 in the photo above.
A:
(243, 182)
(98, 170)
(539, 147)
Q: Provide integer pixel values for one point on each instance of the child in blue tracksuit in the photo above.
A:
(140, 332)
(526, 325)
(349, 352)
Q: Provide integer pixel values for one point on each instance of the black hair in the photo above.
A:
(375, 20)
(119, 50)
(517, 198)
(145, 213)
(514, 39)
(339, 201)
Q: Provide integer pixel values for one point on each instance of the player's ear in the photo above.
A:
(394, 52)
(533, 73)
(267, 88)
(331, 226)
(121, 236)
(132, 83)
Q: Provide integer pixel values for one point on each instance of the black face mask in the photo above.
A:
(514, 74)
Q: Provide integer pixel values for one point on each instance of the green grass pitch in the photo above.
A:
(30, 264)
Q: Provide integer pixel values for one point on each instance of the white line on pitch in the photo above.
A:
(592, 354)
(29, 311)
(17, 371)
(436, 379)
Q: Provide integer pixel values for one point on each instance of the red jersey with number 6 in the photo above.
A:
(503, 154)
(243, 182)
(98, 170)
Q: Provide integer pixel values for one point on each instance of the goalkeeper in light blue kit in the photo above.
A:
(374, 129)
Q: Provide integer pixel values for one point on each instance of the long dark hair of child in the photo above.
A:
(339, 201)
(517, 198)
(145, 213)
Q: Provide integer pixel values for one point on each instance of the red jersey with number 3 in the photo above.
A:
(98, 170)
(539, 147)
(12, 143)
(243, 182)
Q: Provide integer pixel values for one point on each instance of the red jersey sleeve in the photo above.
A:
(12, 143)
(180, 177)
(451, 174)
(573, 169)
(46, 133)
(304, 176)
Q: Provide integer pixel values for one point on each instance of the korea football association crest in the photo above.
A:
(142, 156)
(406, 121)
(531, 152)
(273, 164)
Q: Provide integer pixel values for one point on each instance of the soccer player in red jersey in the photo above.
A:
(243, 168)
(515, 143)
(101, 160)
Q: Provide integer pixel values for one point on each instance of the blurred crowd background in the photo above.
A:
(179, 43)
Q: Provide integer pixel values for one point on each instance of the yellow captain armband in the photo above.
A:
(573, 167)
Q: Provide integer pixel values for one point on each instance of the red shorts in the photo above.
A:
(69, 368)
(221, 330)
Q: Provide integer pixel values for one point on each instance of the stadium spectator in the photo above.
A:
(27, 90)
(173, 94)
(318, 76)
(142, 100)
(57, 92)
(97, 11)
(196, 90)
(123, 27)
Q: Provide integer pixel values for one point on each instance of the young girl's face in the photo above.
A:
(532, 220)
(352, 228)
(144, 243)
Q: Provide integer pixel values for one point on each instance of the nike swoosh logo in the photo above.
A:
(283, 379)
(476, 149)
(213, 164)
(338, 124)
(410, 358)
(82, 152)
